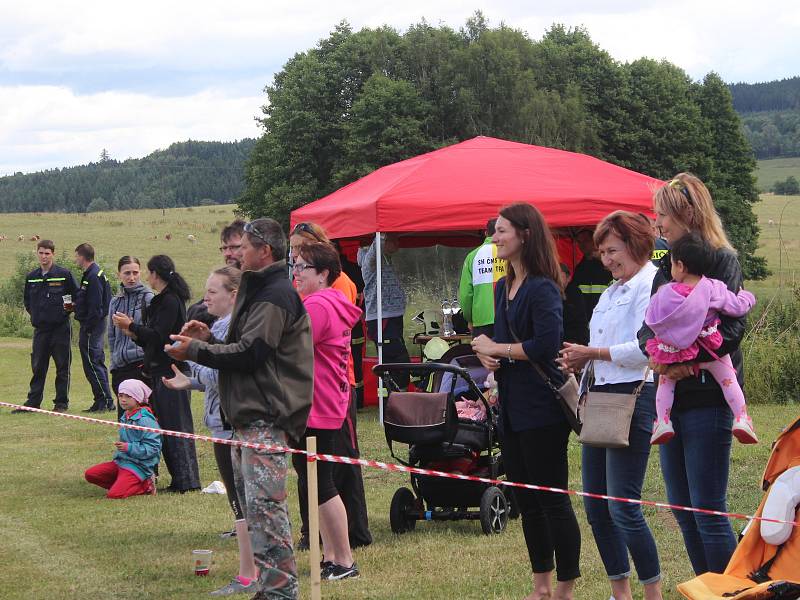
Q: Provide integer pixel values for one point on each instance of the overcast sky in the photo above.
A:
(77, 77)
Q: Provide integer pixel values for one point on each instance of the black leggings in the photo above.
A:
(328, 442)
(539, 456)
(222, 454)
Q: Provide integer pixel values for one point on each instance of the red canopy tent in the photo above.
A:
(456, 189)
(446, 196)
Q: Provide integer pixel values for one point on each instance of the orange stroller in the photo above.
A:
(759, 570)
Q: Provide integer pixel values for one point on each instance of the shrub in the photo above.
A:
(772, 352)
(14, 322)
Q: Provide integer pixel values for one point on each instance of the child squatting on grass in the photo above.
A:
(131, 471)
(684, 315)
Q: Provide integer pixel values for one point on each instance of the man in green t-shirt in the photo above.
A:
(479, 275)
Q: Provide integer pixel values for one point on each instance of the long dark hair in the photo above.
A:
(539, 248)
(163, 266)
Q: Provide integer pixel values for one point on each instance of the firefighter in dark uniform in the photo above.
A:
(45, 289)
(590, 275)
(91, 309)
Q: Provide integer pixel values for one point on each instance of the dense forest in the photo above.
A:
(185, 174)
(359, 100)
(770, 116)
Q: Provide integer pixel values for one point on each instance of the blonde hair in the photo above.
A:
(687, 201)
(231, 277)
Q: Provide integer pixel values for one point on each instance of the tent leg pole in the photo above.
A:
(379, 328)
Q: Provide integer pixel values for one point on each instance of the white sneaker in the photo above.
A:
(662, 432)
(743, 429)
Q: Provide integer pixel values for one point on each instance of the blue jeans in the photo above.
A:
(695, 464)
(619, 527)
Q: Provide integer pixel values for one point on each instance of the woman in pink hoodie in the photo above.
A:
(333, 316)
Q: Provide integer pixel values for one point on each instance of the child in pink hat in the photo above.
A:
(131, 470)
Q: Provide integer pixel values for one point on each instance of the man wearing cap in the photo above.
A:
(45, 289)
(266, 385)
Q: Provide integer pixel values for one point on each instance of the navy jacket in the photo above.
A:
(93, 298)
(43, 296)
(535, 316)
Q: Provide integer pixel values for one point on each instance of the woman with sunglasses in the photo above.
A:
(332, 315)
(348, 477)
(695, 463)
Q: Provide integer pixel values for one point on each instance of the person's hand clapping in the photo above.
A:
(573, 357)
(121, 321)
(197, 330)
(178, 382)
(178, 351)
(483, 347)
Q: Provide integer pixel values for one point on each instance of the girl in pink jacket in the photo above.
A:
(684, 315)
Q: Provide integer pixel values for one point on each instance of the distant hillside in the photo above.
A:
(771, 95)
(770, 115)
(185, 174)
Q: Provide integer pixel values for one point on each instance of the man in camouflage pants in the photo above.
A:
(266, 385)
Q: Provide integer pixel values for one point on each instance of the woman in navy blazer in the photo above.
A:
(534, 432)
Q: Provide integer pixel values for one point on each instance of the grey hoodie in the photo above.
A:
(130, 301)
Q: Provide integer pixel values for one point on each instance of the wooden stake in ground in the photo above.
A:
(313, 518)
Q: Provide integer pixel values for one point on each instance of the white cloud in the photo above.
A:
(77, 77)
(44, 127)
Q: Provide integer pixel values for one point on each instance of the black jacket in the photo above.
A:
(703, 391)
(266, 364)
(43, 296)
(93, 298)
(165, 316)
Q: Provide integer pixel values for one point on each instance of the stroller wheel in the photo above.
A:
(494, 511)
(403, 502)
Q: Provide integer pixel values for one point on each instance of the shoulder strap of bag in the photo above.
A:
(536, 365)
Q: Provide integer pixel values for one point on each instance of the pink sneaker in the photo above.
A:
(662, 432)
(743, 429)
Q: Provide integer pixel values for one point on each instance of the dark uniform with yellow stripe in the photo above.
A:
(592, 280)
(51, 331)
(91, 309)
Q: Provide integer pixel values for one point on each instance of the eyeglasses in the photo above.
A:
(300, 267)
(251, 229)
(306, 228)
(230, 247)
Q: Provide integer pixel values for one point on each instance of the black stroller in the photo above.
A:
(427, 420)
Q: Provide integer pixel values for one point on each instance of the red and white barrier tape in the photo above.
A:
(376, 464)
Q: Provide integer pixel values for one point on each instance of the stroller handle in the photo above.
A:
(427, 367)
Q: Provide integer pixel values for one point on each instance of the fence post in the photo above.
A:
(313, 518)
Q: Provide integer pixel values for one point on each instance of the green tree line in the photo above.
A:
(359, 100)
(772, 95)
(773, 134)
(185, 174)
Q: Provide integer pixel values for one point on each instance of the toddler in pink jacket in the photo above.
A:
(684, 315)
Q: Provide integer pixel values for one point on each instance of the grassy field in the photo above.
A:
(776, 169)
(114, 234)
(779, 242)
(61, 539)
